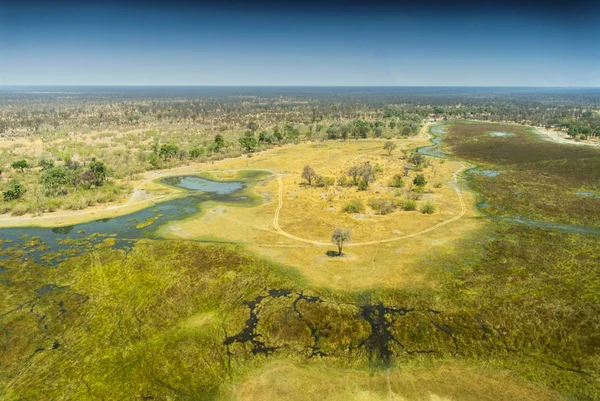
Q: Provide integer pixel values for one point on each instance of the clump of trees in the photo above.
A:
(60, 180)
(362, 175)
(312, 178)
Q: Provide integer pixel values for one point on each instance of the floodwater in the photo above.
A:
(434, 150)
(487, 173)
(39, 244)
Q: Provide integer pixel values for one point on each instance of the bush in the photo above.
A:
(428, 208)
(420, 180)
(14, 190)
(408, 205)
(322, 181)
(396, 181)
(343, 181)
(362, 185)
(382, 206)
(354, 206)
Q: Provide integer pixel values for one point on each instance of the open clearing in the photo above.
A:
(294, 226)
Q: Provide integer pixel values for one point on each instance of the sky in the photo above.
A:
(328, 43)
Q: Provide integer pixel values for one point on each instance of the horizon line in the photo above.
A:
(294, 85)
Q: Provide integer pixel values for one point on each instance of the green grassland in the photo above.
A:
(513, 315)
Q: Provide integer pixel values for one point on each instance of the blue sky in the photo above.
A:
(308, 43)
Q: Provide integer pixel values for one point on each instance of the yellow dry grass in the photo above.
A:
(283, 380)
(311, 213)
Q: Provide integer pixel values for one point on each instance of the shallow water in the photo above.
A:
(198, 184)
(39, 244)
(487, 173)
(571, 228)
(497, 133)
(434, 150)
(588, 194)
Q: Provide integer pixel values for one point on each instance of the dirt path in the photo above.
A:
(461, 201)
(425, 132)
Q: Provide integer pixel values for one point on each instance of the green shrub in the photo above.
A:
(428, 208)
(362, 185)
(408, 205)
(14, 190)
(420, 180)
(354, 206)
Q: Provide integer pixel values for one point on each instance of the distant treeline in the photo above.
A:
(27, 110)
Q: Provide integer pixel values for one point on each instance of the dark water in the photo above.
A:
(39, 244)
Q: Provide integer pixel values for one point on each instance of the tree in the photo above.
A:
(339, 236)
(55, 179)
(309, 174)
(354, 172)
(419, 180)
(100, 171)
(196, 152)
(416, 158)
(366, 173)
(168, 151)
(20, 165)
(389, 146)
(219, 142)
(14, 190)
(248, 141)
(333, 132)
(253, 126)
(291, 131)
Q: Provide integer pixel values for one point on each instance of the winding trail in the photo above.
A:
(461, 200)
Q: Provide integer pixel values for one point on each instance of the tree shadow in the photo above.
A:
(332, 254)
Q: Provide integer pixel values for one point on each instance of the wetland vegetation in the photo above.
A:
(222, 287)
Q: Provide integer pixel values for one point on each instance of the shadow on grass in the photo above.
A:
(332, 254)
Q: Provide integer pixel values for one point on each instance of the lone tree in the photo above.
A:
(339, 236)
(389, 146)
(309, 174)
